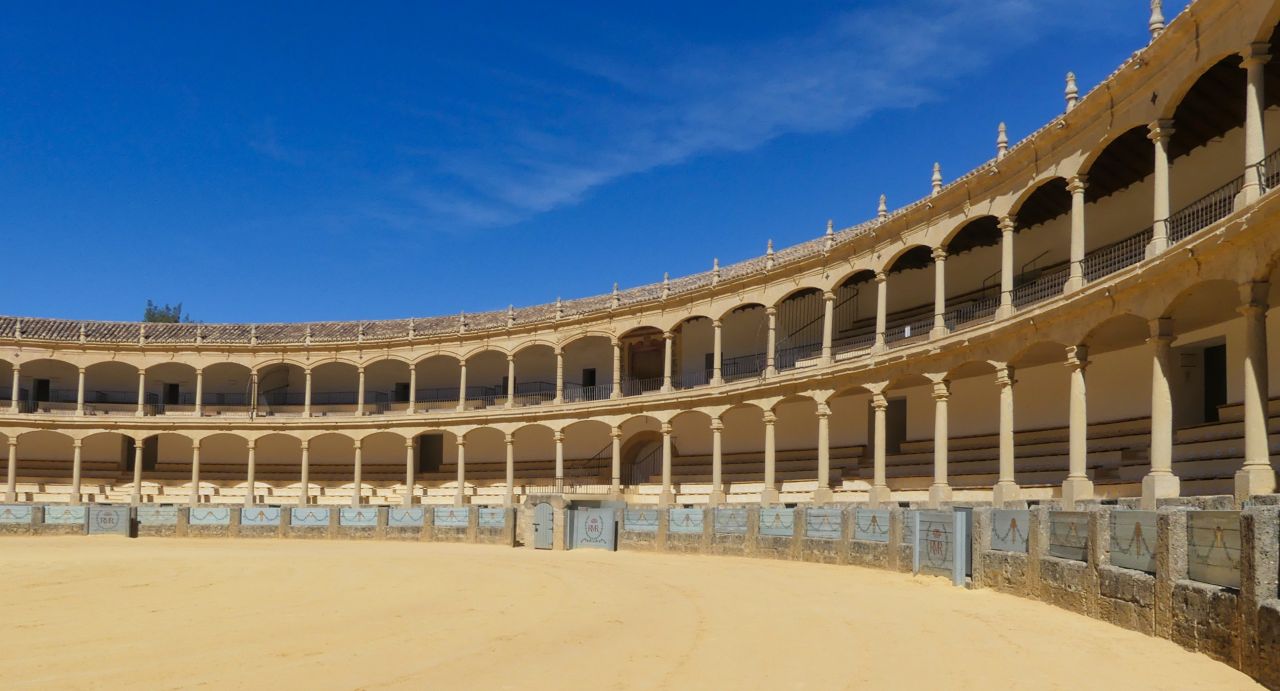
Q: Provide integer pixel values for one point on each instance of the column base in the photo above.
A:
(823, 495)
(1005, 493)
(666, 498)
(717, 497)
(1004, 311)
(1073, 284)
(879, 496)
(939, 332)
(939, 493)
(770, 496)
(1252, 481)
(716, 381)
(1076, 489)
(1156, 487)
(1156, 247)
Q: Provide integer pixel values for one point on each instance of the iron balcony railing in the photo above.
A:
(691, 380)
(635, 387)
(575, 393)
(788, 358)
(974, 312)
(914, 330)
(1205, 211)
(437, 395)
(742, 367)
(1116, 256)
(848, 348)
(1269, 171)
(1048, 284)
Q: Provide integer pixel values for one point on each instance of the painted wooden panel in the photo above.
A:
(594, 529)
(268, 516)
(108, 520)
(358, 517)
(640, 520)
(1133, 540)
(16, 514)
(65, 515)
(406, 517)
(1213, 547)
(491, 517)
(309, 517)
(452, 516)
(777, 522)
(823, 523)
(730, 520)
(157, 514)
(685, 521)
(1069, 535)
(1010, 529)
(871, 525)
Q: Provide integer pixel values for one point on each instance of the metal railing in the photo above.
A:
(574, 393)
(635, 387)
(1205, 211)
(437, 395)
(1269, 171)
(742, 367)
(788, 358)
(1048, 284)
(854, 346)
(974, 312)
(913, 330)
(1116, 256)
(692, 380)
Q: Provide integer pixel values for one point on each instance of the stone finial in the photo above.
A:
(1156, 23)
(142, 334)
(199, 333)
(1073, 93)
(17, 330)
(253, 334)
(1002, 141)
(413, 328)
(559, 308)
(462, 322)
(360, 332)
(937, 179)
(82, 333)
(666, 284)
(882, 211)
(617, 299)
(830, 238)
(511, 316)
(768, 255)
(715, 270)
(306, 338)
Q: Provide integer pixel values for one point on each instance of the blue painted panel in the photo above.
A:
(640, 520)
(492, 517)
(909, 527)
(1069, 535)
(211, 516)
(19, 514)
(157, 514)
(777, 522)
(594, 529)
(871, 525)
(408, 517)
(108, 520)
(937, 544)
(1010, 529)
(452, 516)
(1133, 540)
(309, 517)
(1213, 547)
(358, 517)
(261, 516)
(65, 515)
(731, 520)
(685, 521)
(823, 523)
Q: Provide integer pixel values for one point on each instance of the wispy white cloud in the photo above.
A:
(712, 99)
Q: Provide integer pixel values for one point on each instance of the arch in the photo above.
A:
(284, 383)
(1048, 200)
(386, 383)
(583, 335)
(1210, 103)
(225, 384)
(913, 253)
(436, 354)
(49, 383)
(970, 368)
(482, 351)
(1119, 331)
(111, 383)
(534, 343)
(588, 367)
(1203, 304)
(852, 278)
(1039, 353)
(535, 370)
(797, 293)
(438, 376)
(740, 308)
(1124, 160)
(979, 231)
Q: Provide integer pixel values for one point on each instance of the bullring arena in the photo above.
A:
(1020, 429)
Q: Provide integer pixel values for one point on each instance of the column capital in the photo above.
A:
(81, 369)
(715, 323)
(769, 417)
(359, 369)
(509, 439)
(1254, 294)
(13, 441)
(1162, 329)
(1160, 130)
(828, 296)
(941, 390)
(771, 311)
(251, 444)
(304, 444)
(1004, 376)
(717, 425)
(1007, 224)
(1077, 357)
(879, 401)
(668, 335)
(1076, 184)
(355, 444)
(408, 443)
(824, 411)
(77, 443)
(665, 428)
(558, 436)
(615, 433)
(939, 254)
(461, 442)
(511, 358)
(881, 276)
(1256, 54)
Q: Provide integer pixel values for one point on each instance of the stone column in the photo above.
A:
(1006, 489)
(410, 474)
(617, 369)
(253, 393)
(1007, 227)
(880, 493)
(668, 340)
(142, 392)
(1077, 487)
(940, 491)
(199, 407)
(1256, 477)
(462, 385)
(882, 305)
(11, 481)
(511, 381)
(1075, 279)
(460, 495)
(615, 462)
(76, 445)
(717, 463)
(252, 471)
(939, 293)
(509, 495)
(667, 497)
(559, 375)
(717, 354)
(80, 392)
(304, 497)
(1161, 131)
(771, 344)
(770, 493)
(306, 393)
(1160, 482)
(16, 391)
(1255, 149)
(194, 499)
(360, 391)
(823, 494)
(828, 325)
(135, 497)
(558, 436)
(357, 484)
(413, 388)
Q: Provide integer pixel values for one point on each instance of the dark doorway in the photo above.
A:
(402, 392)
(40, 390)
(589, 377)
(430, 452)
(895, 425)
(1215, 381)
(172, 395)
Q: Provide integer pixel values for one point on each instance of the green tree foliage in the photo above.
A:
(164, 314)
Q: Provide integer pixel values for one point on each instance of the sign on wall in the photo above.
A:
(109, 520)
(777, 522)
(685, 521)
(823, 523)
(1133, 540)
(940, 544)
(1213, 547)
(730, 520)
(1010, 530)
(1069, 535)
(264, 516)
(640, 520)
(157, 514)
(309, 517)
(594, 529)
(871, 525)
(358, 517)
(406, 517)
(452, 516)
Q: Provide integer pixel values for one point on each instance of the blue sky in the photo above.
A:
(313, 161)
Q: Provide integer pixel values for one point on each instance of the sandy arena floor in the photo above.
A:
(167, 613)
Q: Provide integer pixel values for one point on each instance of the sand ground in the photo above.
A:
(105, 612)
